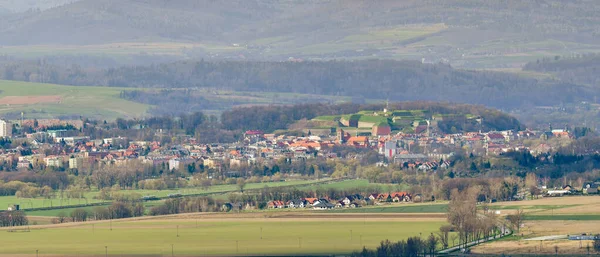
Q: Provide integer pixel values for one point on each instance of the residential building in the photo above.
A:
(5, 128)
(75, 163)
(54, 161)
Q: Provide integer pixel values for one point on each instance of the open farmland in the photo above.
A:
(49, 101)
(438, 208)
(553, 216)
(28, 203)
(216, 234)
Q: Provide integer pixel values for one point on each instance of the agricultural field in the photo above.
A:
(121, 51)
(28, 203)
(216, 235)
(38, 100)
(352, 184)
(554, 216)
(436, 208)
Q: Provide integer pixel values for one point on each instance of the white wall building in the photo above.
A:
(5, 128)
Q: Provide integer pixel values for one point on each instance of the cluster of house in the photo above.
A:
(587, 188)
(351, 201)
(60, 149)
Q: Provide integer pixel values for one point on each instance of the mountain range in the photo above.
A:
(509, 32)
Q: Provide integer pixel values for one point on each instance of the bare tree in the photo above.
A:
(597, 243)
(61, 217)
(432, 242)
(241, 184)
(79, 215)
(443, 235)
(462, 212)
(516, 219)
(205, 184)
(453, 237)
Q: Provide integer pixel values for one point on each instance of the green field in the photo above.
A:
(27, 203)
(94, 102)
(563, 217)
(353, 184)
(104, 103)
(408, 208)
(67, 211)
(240, 237)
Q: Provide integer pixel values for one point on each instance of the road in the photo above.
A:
(504, 232)
(548, 238)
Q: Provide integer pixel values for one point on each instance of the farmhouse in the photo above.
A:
(590, 188)
(296, 204)
(276, 204)
(323, 206)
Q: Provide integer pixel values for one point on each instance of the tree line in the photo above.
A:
(579, 70)
(411, 247)
(368, 79)
(270, 118)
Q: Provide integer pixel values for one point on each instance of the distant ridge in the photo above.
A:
(105, 21)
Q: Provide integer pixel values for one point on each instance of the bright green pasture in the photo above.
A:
(219, 188)
(401, 208)
(67, 211)
(27, 203)
(158, 237)
(95, 102)
(354, 183)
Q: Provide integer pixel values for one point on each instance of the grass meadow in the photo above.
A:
(94, 102)
(29, 203)
(401, 208)
(550, 216)
(211, 237)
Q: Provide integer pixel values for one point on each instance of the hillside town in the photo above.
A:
(424, 150)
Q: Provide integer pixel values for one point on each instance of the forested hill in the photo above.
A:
(362, 80)
(103, 21)
(583, 70)
(271, 118)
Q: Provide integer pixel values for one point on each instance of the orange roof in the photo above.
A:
(311, 200)
(358, 139)
(306, 144)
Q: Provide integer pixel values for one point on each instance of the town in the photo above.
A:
(343, 149)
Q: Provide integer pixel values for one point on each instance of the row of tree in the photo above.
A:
(117, 210)
(411, 247)
(368, 79)
(13, 218)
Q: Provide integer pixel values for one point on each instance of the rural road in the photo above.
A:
(547, 238)
(504, 232)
